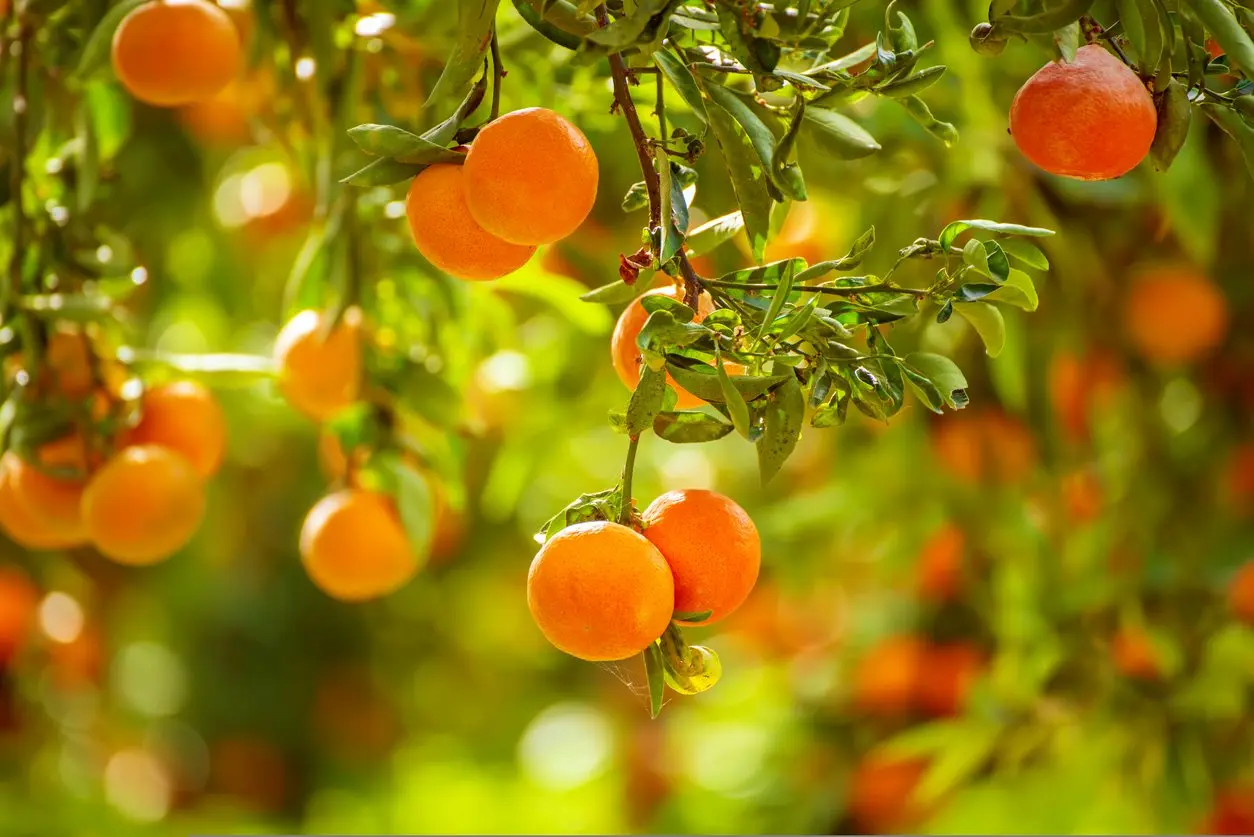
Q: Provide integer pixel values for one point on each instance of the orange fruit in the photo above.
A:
(143, 505)
(887, 678)
(1092, 119)
(626, 354)
(250, 770)
(1135, 655)
(939, 569)
(354, 546)
(1232, 812)
(18, 602)
(1213, 49)
(67, 361)
(880, 793)
(184, 417)
(1241, 594)
(531, 177)
(984, 446)
(319, 375)
(175, 52)
(224, 118)
(600, 591)
(1238, 479)
(1174, 315)
(1082, 496)
(711, 546)
(52, 500)
(1080, 384)
(23, 528)
(447, 235)
(79, 662)
(949, 673)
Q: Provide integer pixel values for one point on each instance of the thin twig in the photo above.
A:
(498, 73)
(820, 289)
(624, 512)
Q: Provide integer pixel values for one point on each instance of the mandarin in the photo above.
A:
(184, 417)
(880, 792)
(531, 177)
(1174, 315)
(319, 374)
(1241, 594)
(51, 488)
(447, 235)
(143, 505)
(1079, 384)
(950, 670)
(1091, 119)
(711, 546)
(939, 568)
(174, 52)
(18, 602)
(22, 527)
(1135, 655)
(600, 591)
(887, 678)
(354, 546)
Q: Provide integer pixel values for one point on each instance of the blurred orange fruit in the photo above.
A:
(19, 600)
(354, 546)
(184, 417)
(1174, 315)
(950, 670)
(24, 528)
(887, 678)
(174, 52)
(250, 769)
(1232, 812)
(530, 177)
(880, 792)
(1083, 499)
(600, 591)
(143, 505)
(50, 489)
(711, 546)
(989, 445)
(939, 568)
(1241, 593)
(1238, 479)
(1135, 655)
(1081, 384)
(319, 374)
(355, 717)
(67, 361)
(447, 235)
(225, 118)
(1088, 119)
(79, 662)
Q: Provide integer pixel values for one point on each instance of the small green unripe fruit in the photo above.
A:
(985, 40)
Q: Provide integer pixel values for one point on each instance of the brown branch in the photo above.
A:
(644, 152)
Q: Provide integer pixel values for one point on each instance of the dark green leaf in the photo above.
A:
(1223, 24)
(840, 135)
(383, 172)
(702, 380)
(849, 261)
(785, 413)
(654, 671)
(96, 53)
(474, 33)
(687, 427)
(617, 292)
(957, 228)
(681, 78)
(713, 233)
(942, 373)
(646, 400)
(917, 108)
(734, 401)
(747, 175)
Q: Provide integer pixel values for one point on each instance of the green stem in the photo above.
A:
(661, 108)
(819, 289)
(498, 73)
(629, 468)
(21, 105)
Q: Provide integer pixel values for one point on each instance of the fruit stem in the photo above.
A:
(675, 651)
(624, 511)
(498, 73)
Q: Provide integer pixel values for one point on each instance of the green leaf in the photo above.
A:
(918, 109)
(785, 414)
(391, 141)
(987, 322)
(997, 264)
(646, 400)
(654, 671)
(713, 233)
(1175, 115)
(110, 111)
(691, 616)
(429, 395)
(850, 261)
(957, 228)
(1231, 123)
(958, 762)
(416, 503)
(681, 78)
(910, 85)
(662, 302)
(617, 292)
(747, 175)
(1018, 291)
(689, 427)
(840, 135)
(787, 175)
(474, 34)
(927, 740)
(737, 409)
(942, 373)
(548, 29)
(1223, 24)
(760, 135)
(778, 298)
(1025, 252)
(383, 172)
(703, 381)
(96, 53)
(674, 208)
(1065, 13)
(638, 26)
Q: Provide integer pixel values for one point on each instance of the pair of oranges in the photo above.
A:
(138, 505)
(528, 179)
(602, 591)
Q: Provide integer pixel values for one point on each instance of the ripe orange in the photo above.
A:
(67, 361)
(447, 235)
(1082, 496)
(880, 793)
(184, 417)
(711, 546)
(23, 528)
(1241, 594)
(18, 601)
(224, 118)
(1174, 315)
(887, 678)
(1238, 479)
(318, 375)
(1092, 119)
(1135, 655)
(52, 500)
(1232, 812)
(354, 546)
(626, 354)
(600, 591)
(143, 505)
(175, 52)
(939, 569)
(251, 771)
(1079, 385)
(531, 177)
(985, 446)
(949, 673)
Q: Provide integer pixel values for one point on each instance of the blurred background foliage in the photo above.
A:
(1052, 565)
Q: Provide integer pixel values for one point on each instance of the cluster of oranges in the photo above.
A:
(353, 542)
(138, 494)
(528, 179)
(171, 53)
(602, 591)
